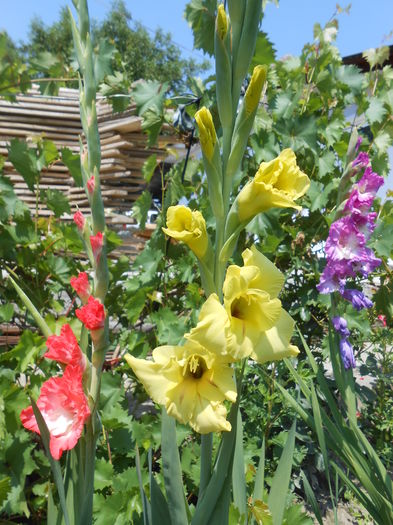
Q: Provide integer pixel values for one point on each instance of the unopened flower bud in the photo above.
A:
(79, 220)
(253, 93)
(96, 242)
(222, 22)
(81, 285)
(91, 184)
(207, 132)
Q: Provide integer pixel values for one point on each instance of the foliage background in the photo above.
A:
(156, 300)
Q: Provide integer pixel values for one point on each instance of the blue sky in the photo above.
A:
(289, 26)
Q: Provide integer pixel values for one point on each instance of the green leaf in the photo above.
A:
(312, 501)
(172, 471)
(238, 476)
(26, 351)
(201, 16)
(170, 328)
(72, 162)
(102, 59)
(377, 56)
(351, 76)
(265, 53)
(382, 240)
(221, 471)
(382, 141)
(32, 309)
(375, 111)
(5, 487)
(159, 506)
(149, 167)
(326, 163)
(6, 312)
(149, 95)
(56, 201)
(24, 160)
(103, 474)
(280, 484)
(141, 207)
(260, 475)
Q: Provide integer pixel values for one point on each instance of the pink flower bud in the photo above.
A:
(92, 314)
(81, 285)
(91, 184)
(96, 242)
(79, 220)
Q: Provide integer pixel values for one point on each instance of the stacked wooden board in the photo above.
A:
(123, 149)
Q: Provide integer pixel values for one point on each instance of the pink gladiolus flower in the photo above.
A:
(96, 242)
(91, 184)
(81, 285)
(79, 220)
(64, 348)
(92, 314)
(64, 407)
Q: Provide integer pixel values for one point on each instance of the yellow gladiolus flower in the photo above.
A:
(189, 227)
(192, 381)
(260, 326)
(277, 184)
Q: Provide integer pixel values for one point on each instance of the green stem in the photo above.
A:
(206, 462)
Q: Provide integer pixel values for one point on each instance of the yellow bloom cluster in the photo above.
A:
(193, 381)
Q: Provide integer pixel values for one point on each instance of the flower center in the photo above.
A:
(195, 367)
(59, 421)
(239, 308)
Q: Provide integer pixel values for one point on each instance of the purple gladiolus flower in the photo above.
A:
(332, 278)
(344, 241)
(340, 325)
(357, 298)
(370, 182)
(346, 352)
(368, 263)
(359, 202)
(361, 161)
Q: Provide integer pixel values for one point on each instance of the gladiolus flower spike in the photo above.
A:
(346, 250)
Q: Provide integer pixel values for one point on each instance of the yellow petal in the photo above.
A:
(277, 183)
(187, 226)
(269, 278)
(218, 384)
(274, 344)
(181, 400)
(150, 375)
(209, 417)
(213, 329)
(237, 281)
